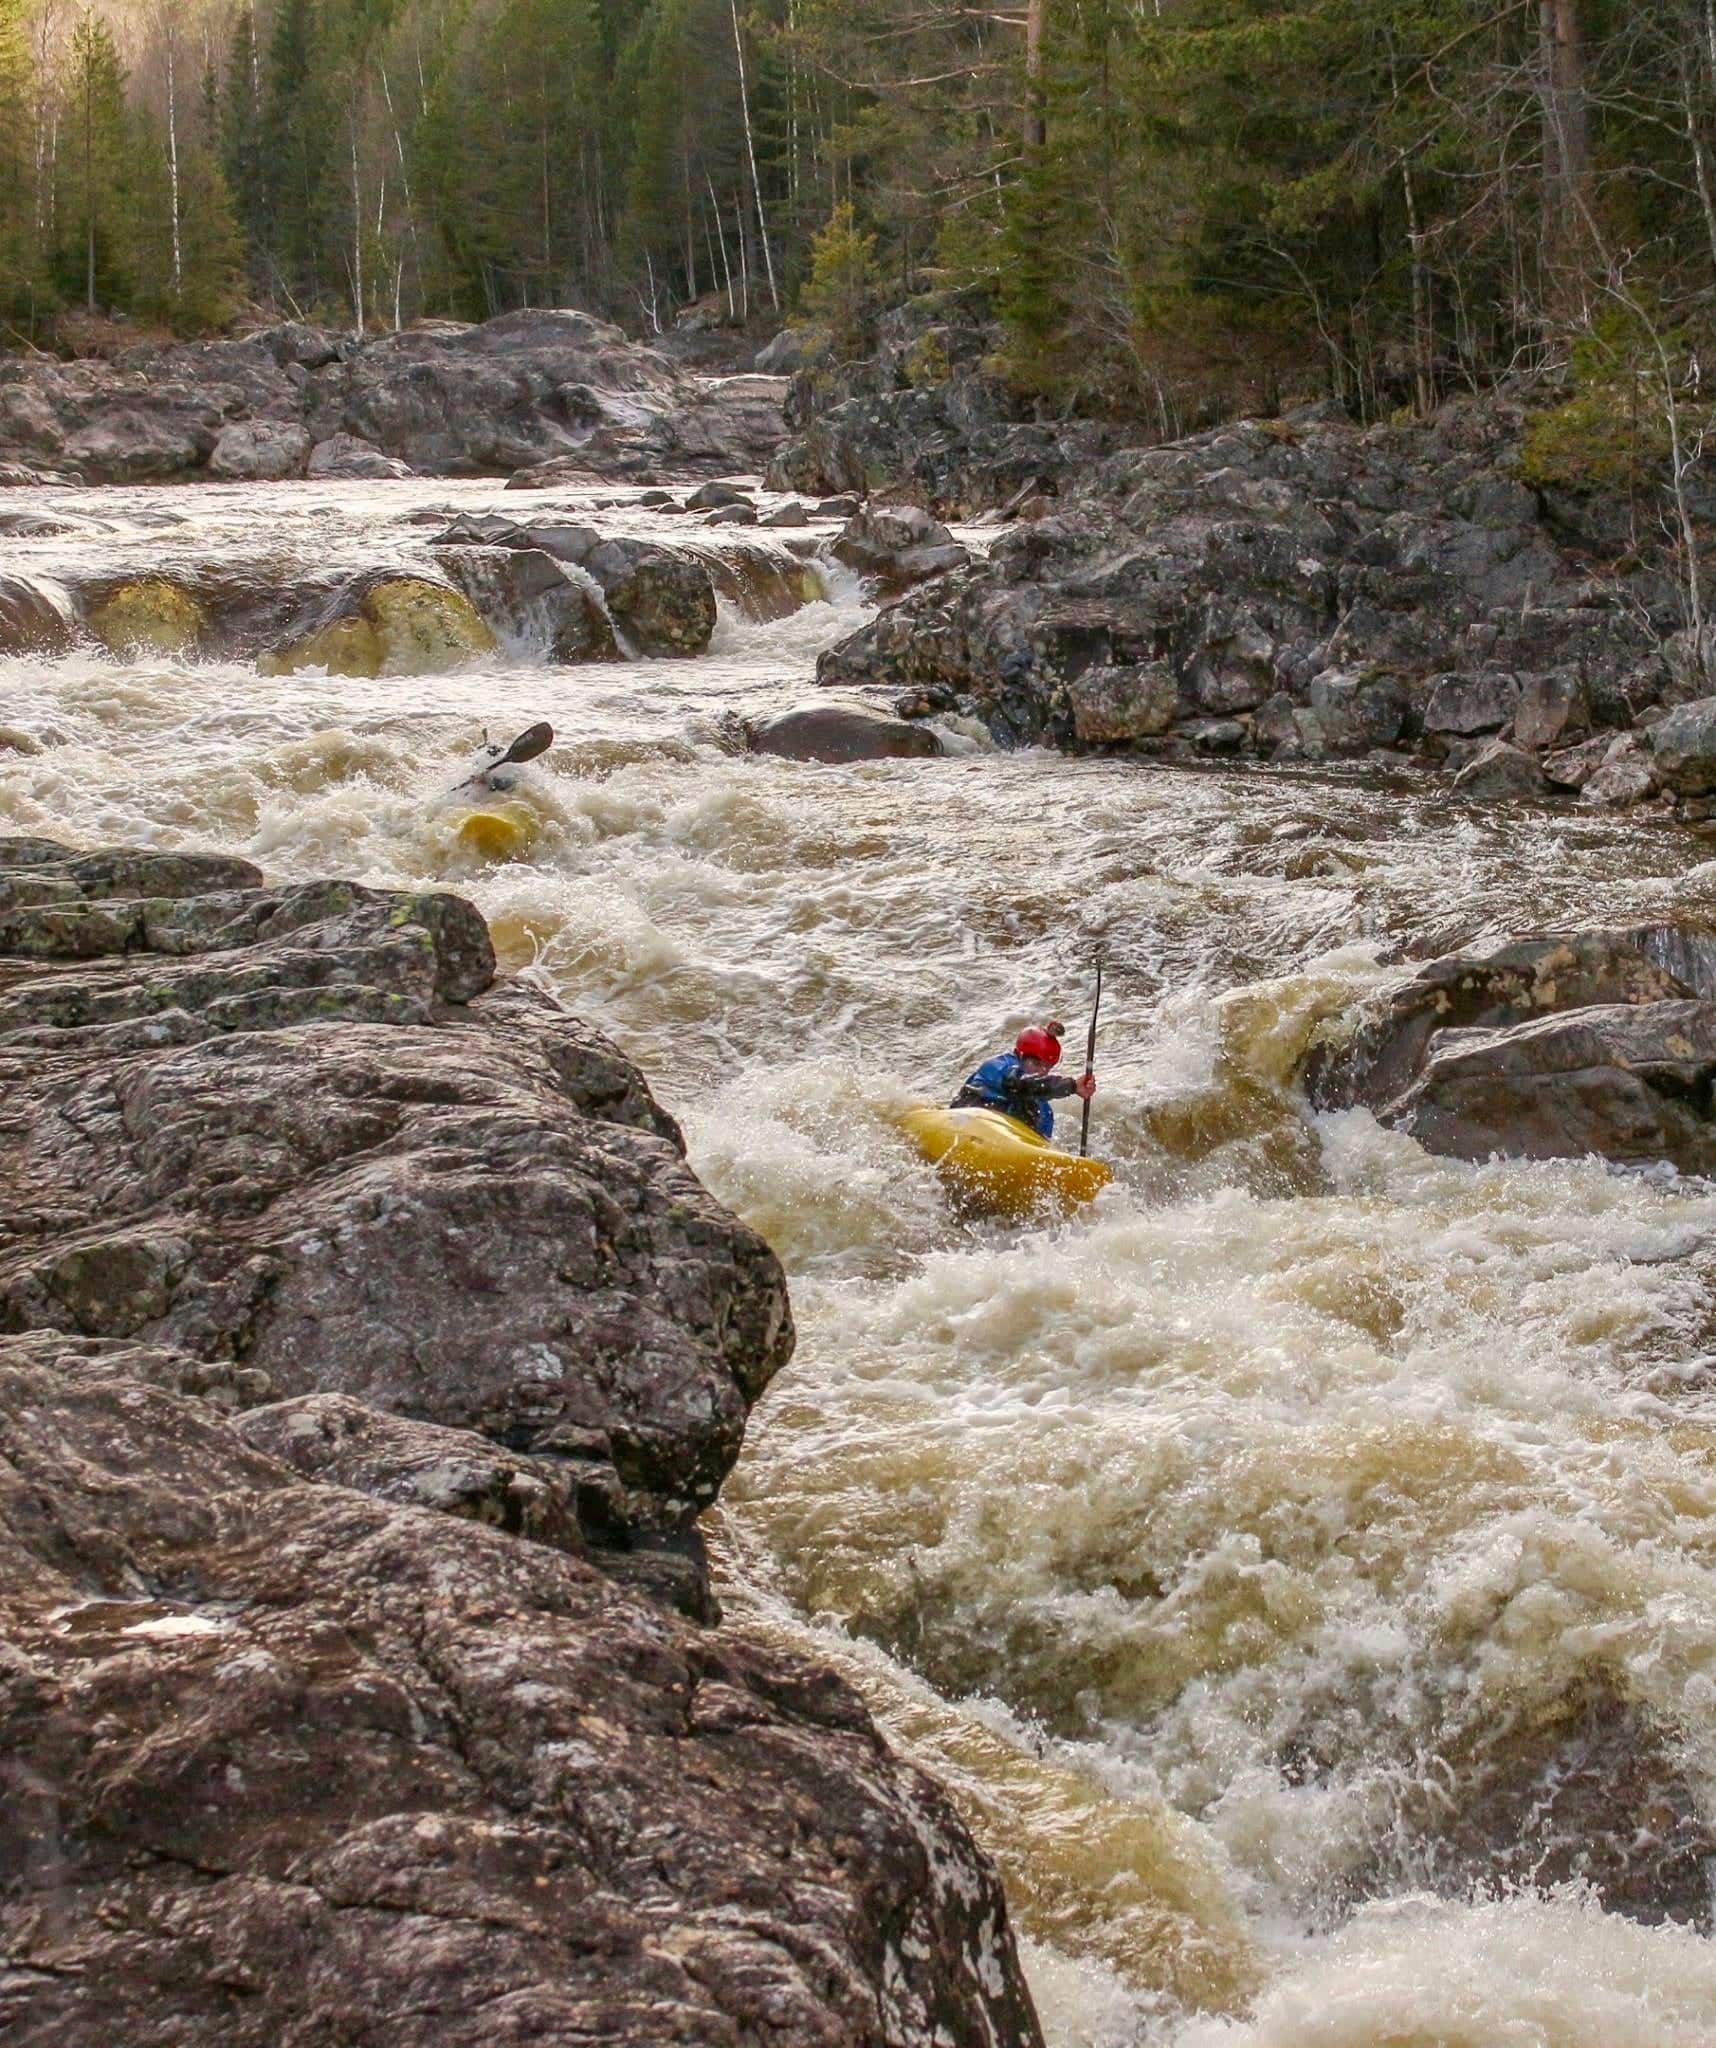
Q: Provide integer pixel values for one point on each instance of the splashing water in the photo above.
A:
(1241, 1553)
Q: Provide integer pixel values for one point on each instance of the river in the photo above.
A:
(1221, 1549)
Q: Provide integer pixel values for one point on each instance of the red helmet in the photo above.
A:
(1038, 1045)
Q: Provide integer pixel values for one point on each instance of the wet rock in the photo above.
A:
(1111, 706)
(384, 625)
(664, 603)
(146, 615)
(1500, 771)
(286, 1762)
(1683, 749)
(348, 458)
(1465, 705)
(837, 508)
(1217, 735)
(35, 617)
(526, 595)
(1355, 713)
(261, 451)
(1603, 1042)
(716, 497)
(897, 545)
(826, 732)
(733, 515)
(790, 514)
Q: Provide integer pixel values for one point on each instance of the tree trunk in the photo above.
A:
(173, 157)
(1036, 124)
(751, 152)
(1567, 138)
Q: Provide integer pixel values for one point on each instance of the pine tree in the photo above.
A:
(99, 167)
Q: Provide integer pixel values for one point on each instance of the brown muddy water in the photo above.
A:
(1228, 1550)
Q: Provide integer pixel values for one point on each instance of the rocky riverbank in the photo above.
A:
(1307, 590)
(441, 398)
(367, 1356)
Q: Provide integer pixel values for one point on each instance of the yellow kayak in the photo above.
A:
(498, 830)
(999, 1164)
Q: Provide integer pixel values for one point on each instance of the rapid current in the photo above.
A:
(1202, 1545)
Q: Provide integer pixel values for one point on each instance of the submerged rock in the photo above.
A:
(1602, 1043)
(385, 625)
(830, 732)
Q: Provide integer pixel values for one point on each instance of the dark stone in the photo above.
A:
(828, 732)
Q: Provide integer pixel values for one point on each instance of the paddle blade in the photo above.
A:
(536, 739)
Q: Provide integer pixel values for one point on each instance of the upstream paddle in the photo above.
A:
(1090, 1060)
(534, 740)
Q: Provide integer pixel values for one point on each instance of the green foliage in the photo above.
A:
(843, 290)
(1614, 431)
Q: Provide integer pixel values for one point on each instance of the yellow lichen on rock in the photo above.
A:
(148, 615)
(401, 626)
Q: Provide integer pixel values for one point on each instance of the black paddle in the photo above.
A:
(534, 740)
(1090, 1060)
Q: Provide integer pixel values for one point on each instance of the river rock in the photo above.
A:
(898, 546)
(1113, 705)
(1683, 748)
(663, 602)
(36, 617)
(733, 515)
(716, 497)
(833, 733)
(1625, 776)
(288, 1762)
(1499, 771)
(1258, 557)
(526, 595)
(1602, 1042)
(261, 451)
(145, 615)
(790, 514)
(347, 458)
(383, 625)
(1466, 705)
(367, 1352)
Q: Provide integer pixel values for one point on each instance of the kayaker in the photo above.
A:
(1022, 1083)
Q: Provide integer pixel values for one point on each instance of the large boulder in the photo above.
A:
(1603, 1042)
(289, 1762)
(348, 458)
(528, 597)
(260, 451)
(897, 546)
(843, 732)
(383, 625)
(143, 615)
(1498, 771)
(1683, 748)
(367, 1354)
(662, 602)
(1112, 706)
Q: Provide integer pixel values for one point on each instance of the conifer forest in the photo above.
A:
(1412, 196)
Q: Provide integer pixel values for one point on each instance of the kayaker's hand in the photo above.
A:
(1085, 1086)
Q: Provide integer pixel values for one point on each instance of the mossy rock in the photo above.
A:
(397, 626)
(148, 615)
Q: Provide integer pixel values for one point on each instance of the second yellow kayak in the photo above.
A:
(994, 1162)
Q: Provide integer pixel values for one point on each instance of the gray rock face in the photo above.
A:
(1498, 771)
(898, 546)
(285, 1762)
(349, 458)
(1602, 1043)
(1113, 705)
(1389, 583)
(261, 451)
(294, 1123)
(1683, 748)
(838, 732)
(516, 393)
(782, 356)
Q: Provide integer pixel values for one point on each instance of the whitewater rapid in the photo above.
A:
(1218, 1549)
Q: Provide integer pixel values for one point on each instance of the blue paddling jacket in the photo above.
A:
(1002, 1083)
